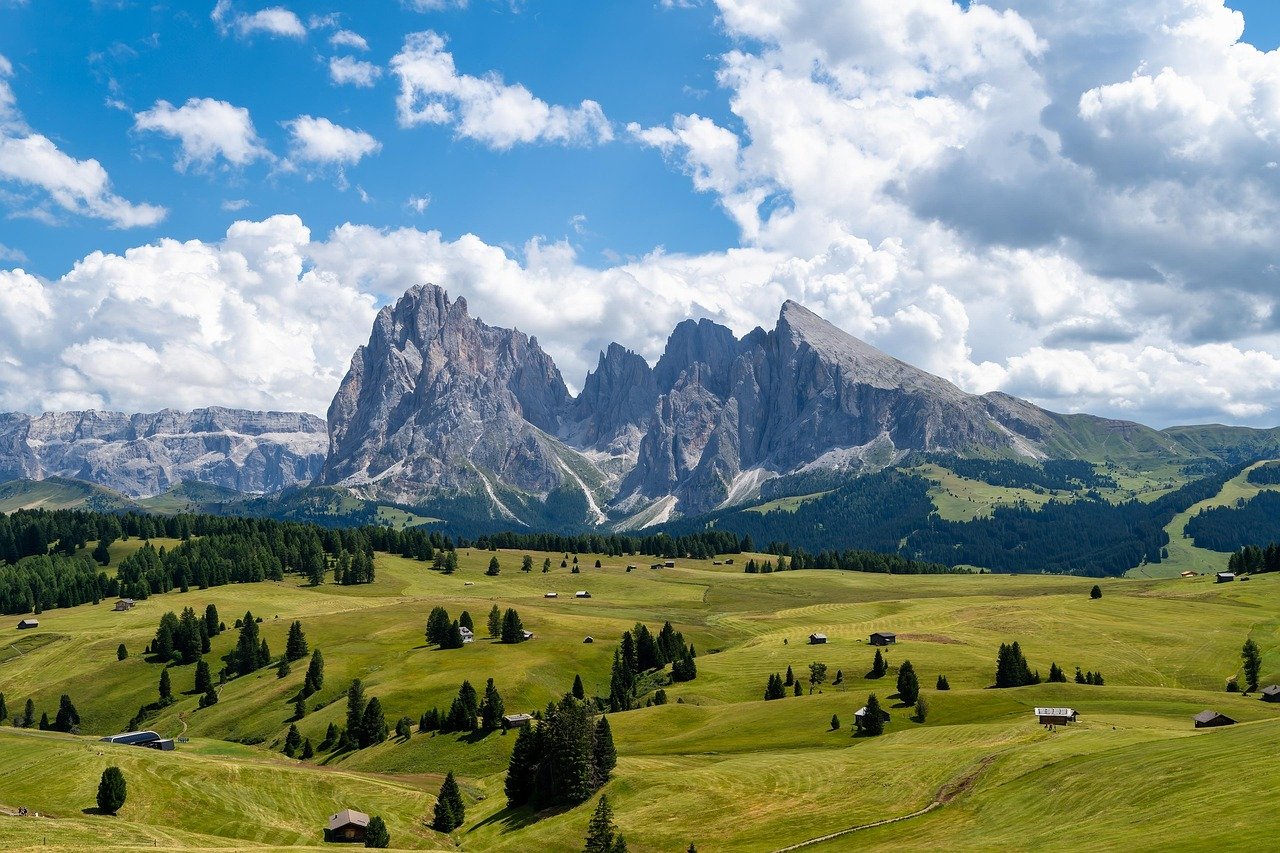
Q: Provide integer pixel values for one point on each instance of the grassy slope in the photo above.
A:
(1183, 553)
(59, 493)
(762, 774)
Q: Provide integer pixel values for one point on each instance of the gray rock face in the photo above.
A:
(440, 403)
(617, 398)
(145, 454)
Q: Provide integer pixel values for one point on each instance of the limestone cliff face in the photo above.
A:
(142, 455)
(438, 402)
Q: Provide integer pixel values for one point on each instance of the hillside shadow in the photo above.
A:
(97, 812)
(512, 820)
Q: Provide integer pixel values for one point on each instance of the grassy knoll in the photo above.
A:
(717, 766)
(1183, 553)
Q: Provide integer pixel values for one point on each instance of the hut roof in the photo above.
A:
(346, 817)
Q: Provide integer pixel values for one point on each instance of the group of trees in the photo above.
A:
(849, 561)
(696, 544)
(1255, 560)
(468, 713)
(1052, 474)
(641, 653)
(564, 759)
(602, 834)
(450, 813)
(443, 632)
(183, 639)
(1241, 526)
(67, 718)
(1012, 669)
(366, 722)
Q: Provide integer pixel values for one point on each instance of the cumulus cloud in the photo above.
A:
(273, 21)
(347, 70)
(318, 140)
(207, 130)
(485, 109)
(32, 162)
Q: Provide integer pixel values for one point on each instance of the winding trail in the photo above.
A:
(946, 794)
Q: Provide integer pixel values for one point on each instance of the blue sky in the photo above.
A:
(639, 61)
(1074, 201)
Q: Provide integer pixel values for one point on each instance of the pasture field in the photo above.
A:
(717, 766)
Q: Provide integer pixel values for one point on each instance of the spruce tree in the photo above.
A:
(943, 684)
(491, 708)
(835, 723)
(465, 621)
(292, 741)
(512, 627)
(376, 834)
(44, 721)
(212, 627)
(264, 654)
(203, 678)
(449, 812)
(308, 751)
(355, 713)
(873, 719)
(1096, 592)
(797, 690)
(495, 623)
(67, 717)
(4, 711)
(908, 684)
(1056, 675)
(601, 829)
(299, 708)
(546, 565)
(373, 726)
(604, 755)
(790, 678)
(331, 736)
(579, 692)
(29, 715)
(526, 564)
(878, 666)
(404, 728)
(315, 674)
(166, 690)
(1080, 679)
(295, 647)
(523, 767)
(210, 697)
(1252, 662)
(922, 710)
(248, 648)
(112, 791)
(121, 652)
(494, 568)
(283, 669)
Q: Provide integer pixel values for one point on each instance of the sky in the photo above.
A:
(1074, 201)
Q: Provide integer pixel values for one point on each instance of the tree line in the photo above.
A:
(1246, 523)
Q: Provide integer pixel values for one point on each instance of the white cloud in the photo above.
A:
(207, 129)
(486, 109)
(347, 38)
(32, 161)
(231, 205)
(433, 5)
(318, 140)
(274, 21)
(418, 203)
(347, 70)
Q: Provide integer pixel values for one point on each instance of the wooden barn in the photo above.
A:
(28, 623)
(1212, 719)
(817, 639)
(1271, 693)
(1055, 716)
(1224, 577)
(348, 826)
(883, 638)
(516, 721)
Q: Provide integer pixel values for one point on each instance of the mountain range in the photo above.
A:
(442, 411)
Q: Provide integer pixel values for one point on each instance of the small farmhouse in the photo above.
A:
(1212, 719)
(125, 604)
(551, 595)
(817, 639)
(1224, 577)
(1271, 694)
(582, 593)
(670, 564)
(1055, 716)
(588, 640)
(883, 638)
(1188, 574)
(528, 635)
(516, 721)
(348, 826)
(467, 634)
(28, 623)
(861, 714)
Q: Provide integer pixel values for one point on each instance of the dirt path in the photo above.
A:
(946, 794)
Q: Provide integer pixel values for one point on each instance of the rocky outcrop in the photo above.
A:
(439, 403)
(144, 454)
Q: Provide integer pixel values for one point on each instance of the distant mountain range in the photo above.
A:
(442, 412)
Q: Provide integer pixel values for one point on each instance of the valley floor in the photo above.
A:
(717, 766)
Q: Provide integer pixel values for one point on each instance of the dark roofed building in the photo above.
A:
(883, 638)
(28, 623)
(515, 721)
(138, 738)
(1055, 716)
(1212, 719)
(1271, 694)
(347, 825)
(1224, 577)
(817, 639)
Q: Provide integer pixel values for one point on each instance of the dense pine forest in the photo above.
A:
(1226, 528)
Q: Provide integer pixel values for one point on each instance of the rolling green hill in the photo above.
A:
(60, 493)
(764, 775)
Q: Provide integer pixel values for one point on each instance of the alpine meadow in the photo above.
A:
(704, 425)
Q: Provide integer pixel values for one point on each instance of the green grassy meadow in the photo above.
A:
(717, 766)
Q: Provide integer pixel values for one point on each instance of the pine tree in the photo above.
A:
(525, 757)
(1056, 675)
(67, 718)
(355, 713)
(546, 565)
(465, 621)
(29, 715)
(315, 674)
(1080, 679)
(121, 652)
(491, 708)
(166, 690)
(494, 568)
(248, 648)
(579, 692)
(283, 669)
(299, 708)
(878, 666)
(373, 727)
(908, 684)
(601, 829)
(604, 755)
(404, 728)
(1252, 661)
(620, 695)
(4, 711)
(1096, 592)
(449, 811)
(943, 684)
(797, 690)
(922, 710)
(835, 723)
(44, 721)
(292, 741)
(210, 697)
(526, 565)
(873, 718)
(112, 791)
(376, 834)
(308, 751)
(203, 679)
(495, 623)
(331, 736)
(790, 678)
(295, 647)
(438, 626)
(512, 628)
(212, 627)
